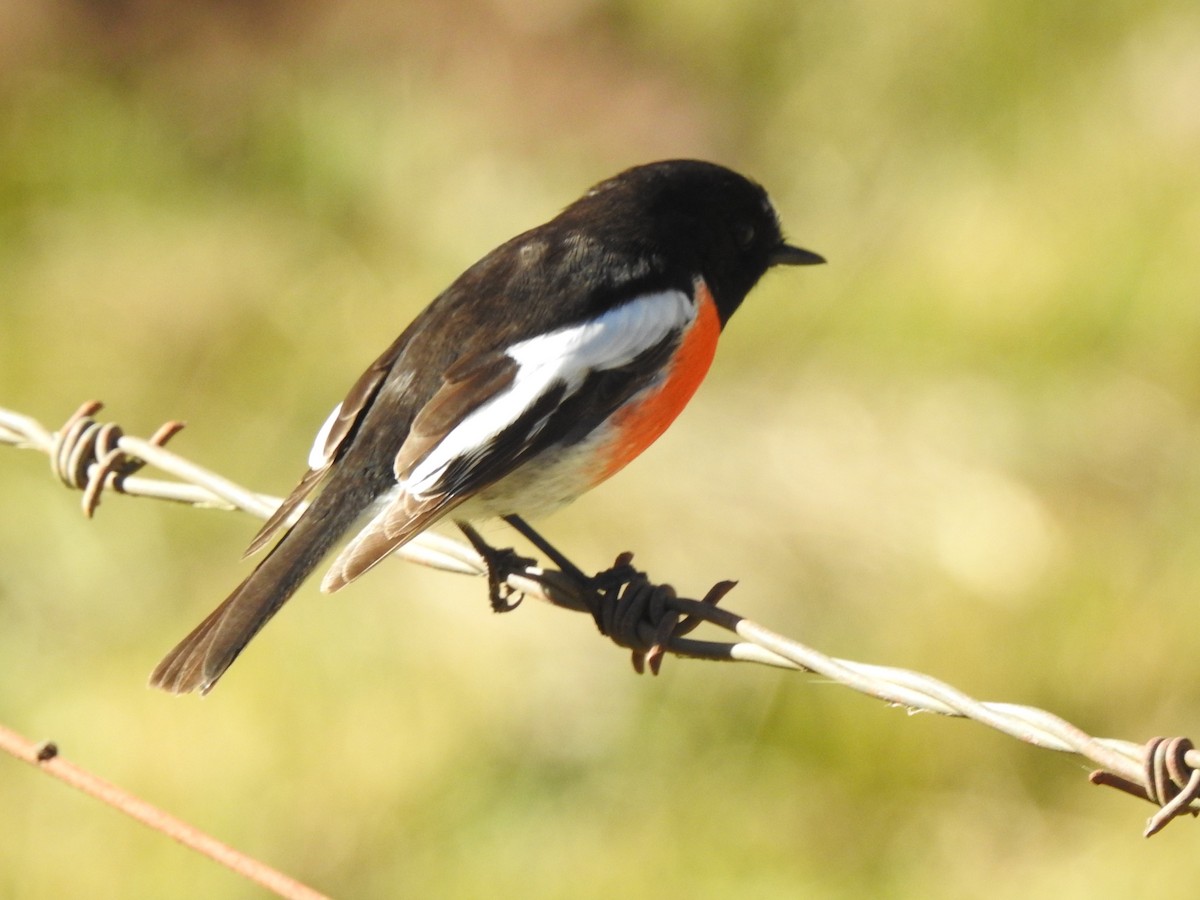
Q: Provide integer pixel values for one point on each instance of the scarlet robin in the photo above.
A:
(542, 370)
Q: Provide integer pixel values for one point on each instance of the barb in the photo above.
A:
(648, 619)
(92, 457)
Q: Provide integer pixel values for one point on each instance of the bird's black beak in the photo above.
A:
(787, 255)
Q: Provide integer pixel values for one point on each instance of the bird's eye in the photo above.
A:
(745, 234)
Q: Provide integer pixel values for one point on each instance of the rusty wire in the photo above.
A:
(92, 456)
(45, 756)
(647, 618)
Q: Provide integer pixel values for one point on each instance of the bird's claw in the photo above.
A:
(500, 563)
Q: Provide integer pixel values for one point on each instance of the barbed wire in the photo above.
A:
(648, 619)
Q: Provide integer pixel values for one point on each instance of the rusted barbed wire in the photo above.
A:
(91, 456)
(649, 619)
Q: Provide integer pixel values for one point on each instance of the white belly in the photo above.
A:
(544, 484)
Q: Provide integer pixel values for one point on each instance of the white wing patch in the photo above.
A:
(317, 457)
(564, 356)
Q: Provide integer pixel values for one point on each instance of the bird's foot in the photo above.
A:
(500, 564)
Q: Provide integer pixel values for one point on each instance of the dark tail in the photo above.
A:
(203, 656)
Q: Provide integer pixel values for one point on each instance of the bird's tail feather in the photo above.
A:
(203, 656)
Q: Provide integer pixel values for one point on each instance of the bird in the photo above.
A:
(542, 370)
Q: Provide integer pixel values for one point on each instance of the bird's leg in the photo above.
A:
(610, 578)
(556, 556)
(500, 564)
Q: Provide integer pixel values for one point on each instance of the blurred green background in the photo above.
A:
(969, 446)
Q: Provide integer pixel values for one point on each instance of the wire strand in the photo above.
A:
(646, 618)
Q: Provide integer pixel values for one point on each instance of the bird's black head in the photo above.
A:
(699, 216)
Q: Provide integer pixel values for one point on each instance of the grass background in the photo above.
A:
(968, 446)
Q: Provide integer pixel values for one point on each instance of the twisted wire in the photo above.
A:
(648, 619)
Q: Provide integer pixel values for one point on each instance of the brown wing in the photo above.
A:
(337, 438)
(466, 385)
(554, 416)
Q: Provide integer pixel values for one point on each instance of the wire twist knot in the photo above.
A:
(1168, 780)
(1171, 781)
(86, 454)
(641, 616)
